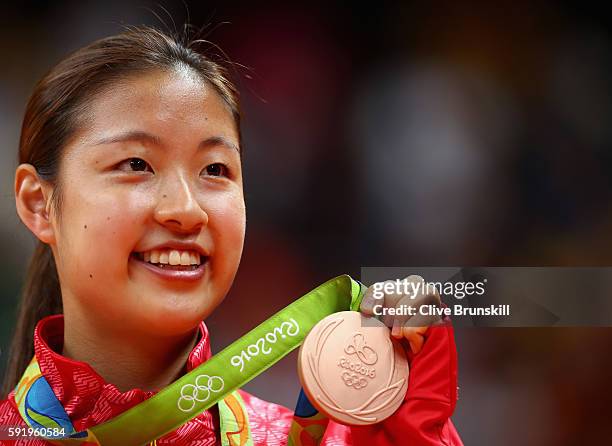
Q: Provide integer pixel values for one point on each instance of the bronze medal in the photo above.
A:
(352, 370)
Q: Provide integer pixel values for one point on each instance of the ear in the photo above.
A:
(32, 197)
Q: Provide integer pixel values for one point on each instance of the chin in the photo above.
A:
(175, 321)
(172, 326)
(173, 313)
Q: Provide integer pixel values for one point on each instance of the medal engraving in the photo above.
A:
(353, 372)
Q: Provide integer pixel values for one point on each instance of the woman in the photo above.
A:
(130, 177)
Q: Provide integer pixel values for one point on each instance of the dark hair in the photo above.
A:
(51, 118)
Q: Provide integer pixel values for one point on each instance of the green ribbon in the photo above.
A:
(229, 369)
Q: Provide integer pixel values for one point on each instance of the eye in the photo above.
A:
(135, 165)
(216, 170)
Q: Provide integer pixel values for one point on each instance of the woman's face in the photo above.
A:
(152, 219)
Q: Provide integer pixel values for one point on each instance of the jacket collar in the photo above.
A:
(86, 397)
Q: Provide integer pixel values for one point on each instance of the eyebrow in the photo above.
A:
(147, 138)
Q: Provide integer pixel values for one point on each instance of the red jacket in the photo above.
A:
(423, 419)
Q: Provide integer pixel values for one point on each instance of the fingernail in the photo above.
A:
(396, 331)
(413, 347)
(367, 303)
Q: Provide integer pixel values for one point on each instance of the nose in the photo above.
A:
(178, 209)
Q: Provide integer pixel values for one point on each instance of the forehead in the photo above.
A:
(176, 104)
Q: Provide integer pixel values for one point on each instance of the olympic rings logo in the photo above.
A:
(200, 392)
(353, 380)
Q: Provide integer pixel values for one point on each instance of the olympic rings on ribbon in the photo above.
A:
(199, 392)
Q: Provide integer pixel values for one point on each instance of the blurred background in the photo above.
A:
(425, 134)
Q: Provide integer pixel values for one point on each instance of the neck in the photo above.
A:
(128, 360)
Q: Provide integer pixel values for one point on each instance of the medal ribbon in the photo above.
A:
(223, 373)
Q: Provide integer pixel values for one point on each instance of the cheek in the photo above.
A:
(99, 230)
(227, 223)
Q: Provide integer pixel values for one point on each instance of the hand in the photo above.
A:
(414, 295)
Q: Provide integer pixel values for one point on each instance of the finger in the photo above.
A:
(405, 304)
(423, 308)
(409, 307)
(373, 296)
(410, 304)
(420, 320)
(422, 312)
(404, 295)
(415, 337)
(427, 293)
(376, 295)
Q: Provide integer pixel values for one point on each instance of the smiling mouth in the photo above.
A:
(172, 259)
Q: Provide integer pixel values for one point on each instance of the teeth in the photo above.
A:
(171, 257)
(175, 258)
